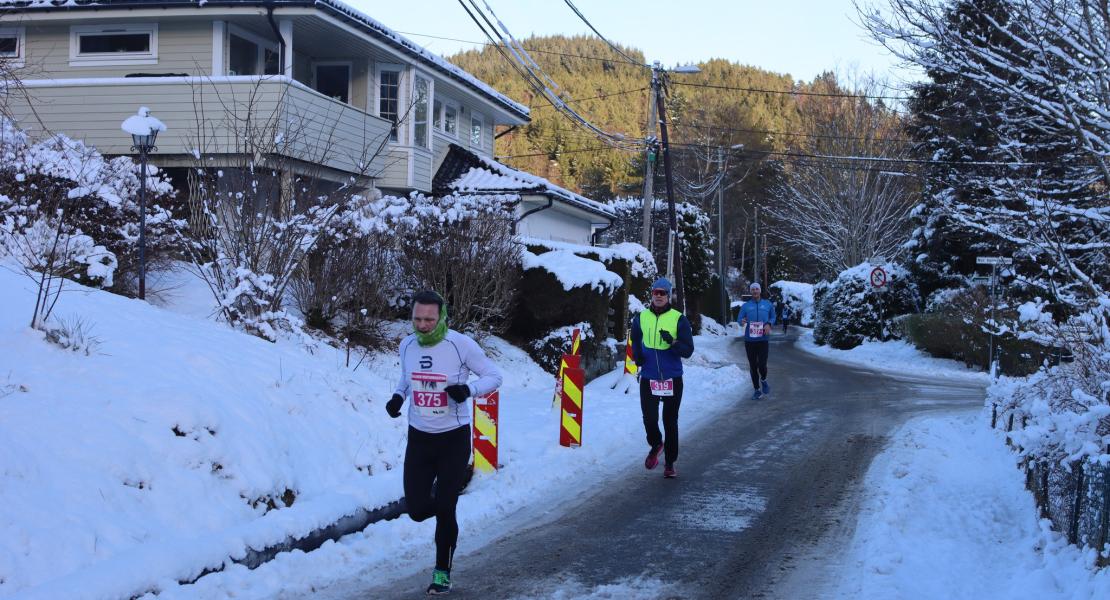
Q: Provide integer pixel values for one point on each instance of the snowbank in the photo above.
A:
(897, 357)
(948, 516)
(158, 456)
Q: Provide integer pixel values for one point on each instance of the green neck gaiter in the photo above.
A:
(436, 335)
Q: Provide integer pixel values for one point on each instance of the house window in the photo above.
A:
(11, 44)
(477, 126)
(251, 55)
(389, 97)
(446, 116)
(421, 90)
(114, 44)
(334, 81)
(451, 119)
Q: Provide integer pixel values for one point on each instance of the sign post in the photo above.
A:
(879, 281)
(993, 261)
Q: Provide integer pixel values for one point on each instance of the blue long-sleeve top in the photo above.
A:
(756, 312)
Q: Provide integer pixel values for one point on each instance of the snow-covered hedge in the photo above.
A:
(61, 198)
(798, 297)
(849, 310)
(550, 347)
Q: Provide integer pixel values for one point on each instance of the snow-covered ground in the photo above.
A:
(894, 357)
(154, 456)
(947, 516)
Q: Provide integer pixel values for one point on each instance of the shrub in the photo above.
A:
(558, 289)
(849, 310)
(956, 325)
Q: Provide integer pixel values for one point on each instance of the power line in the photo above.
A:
(786, 92)
(603, 38)
(606, 95)
(786, 133)
(529, 48)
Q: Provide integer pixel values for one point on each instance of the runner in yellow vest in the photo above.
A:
(661, 338)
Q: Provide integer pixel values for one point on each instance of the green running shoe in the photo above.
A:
(441, 583)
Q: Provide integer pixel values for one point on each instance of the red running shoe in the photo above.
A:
(669, 472)
(652, 459)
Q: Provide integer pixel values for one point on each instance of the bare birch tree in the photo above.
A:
(840, 212)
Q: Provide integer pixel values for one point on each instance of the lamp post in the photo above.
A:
(144, 131)
(676, 251)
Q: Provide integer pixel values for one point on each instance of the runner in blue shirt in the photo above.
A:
(756, 318)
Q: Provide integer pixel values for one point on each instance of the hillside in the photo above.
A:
(613, 94)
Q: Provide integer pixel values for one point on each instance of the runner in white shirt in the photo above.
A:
(436, 363)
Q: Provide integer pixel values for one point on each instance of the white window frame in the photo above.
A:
(399, 69)
(76, 59)
(20, 34)
(417, 74)
(477, 116)
(261, 43)
(442, 116)
(350, 75)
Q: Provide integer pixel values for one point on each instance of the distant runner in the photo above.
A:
(756, 318)
(436, 363)
(661, 338)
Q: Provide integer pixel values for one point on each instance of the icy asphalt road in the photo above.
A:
(765, 496)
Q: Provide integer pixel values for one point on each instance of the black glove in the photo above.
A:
(393, 407)
(458, 392)
(666, 335)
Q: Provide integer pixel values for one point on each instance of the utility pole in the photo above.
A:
(725, 313)
(680, 295)
(649, 157)
(755, 248)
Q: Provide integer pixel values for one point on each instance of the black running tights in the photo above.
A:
(649, 406)
(441, 457)
(757, 360)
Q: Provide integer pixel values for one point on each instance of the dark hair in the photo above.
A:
(428, 297)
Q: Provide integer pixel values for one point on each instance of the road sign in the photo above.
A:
(878, 277)
(993, 260)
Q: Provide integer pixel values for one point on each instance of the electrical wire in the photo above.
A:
(603, 38)
(530, 49)
(534, 75)
(786, 92)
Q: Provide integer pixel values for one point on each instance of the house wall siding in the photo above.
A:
(184, 47)
(552, 223)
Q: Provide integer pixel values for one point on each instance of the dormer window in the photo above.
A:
(96, 45)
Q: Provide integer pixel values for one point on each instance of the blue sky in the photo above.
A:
(799, 37)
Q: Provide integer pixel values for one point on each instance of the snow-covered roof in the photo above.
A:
(363, 21)
(468, 172)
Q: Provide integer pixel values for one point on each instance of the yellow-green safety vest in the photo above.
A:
(650, 324)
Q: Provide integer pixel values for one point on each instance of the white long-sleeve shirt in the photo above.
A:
(426, 372)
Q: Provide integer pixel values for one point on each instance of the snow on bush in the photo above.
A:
(850, 310)
(798, 297)
(573, 271)
(549, 348)
(64, 207)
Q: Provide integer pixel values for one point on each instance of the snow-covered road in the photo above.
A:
(761, 485)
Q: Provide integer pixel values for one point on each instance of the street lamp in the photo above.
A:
(144, 131)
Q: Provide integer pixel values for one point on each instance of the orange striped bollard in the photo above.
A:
(484, 439)
(570, 423)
